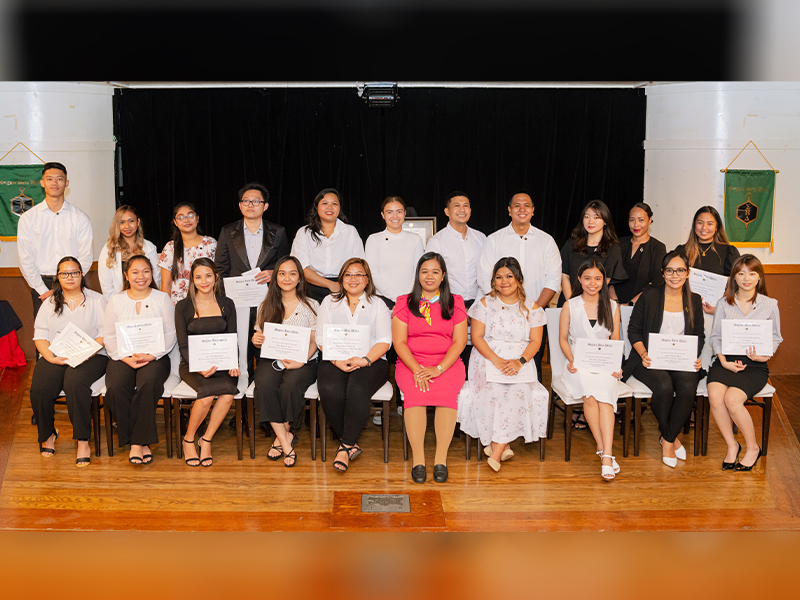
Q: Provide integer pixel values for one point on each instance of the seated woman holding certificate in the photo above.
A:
(735, 377)
(670, 309)
(280, 382)
(205, 312)
(429, 330)
(590, 313)
(347, 383)
(138, 367)
(71, 303)
(506, 332)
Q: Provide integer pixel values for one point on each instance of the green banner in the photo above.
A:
(20, 190)
(749, 207)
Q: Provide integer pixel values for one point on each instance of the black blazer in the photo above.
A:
(231, 258)
(649, 273)
(648, 312)
(184, 313)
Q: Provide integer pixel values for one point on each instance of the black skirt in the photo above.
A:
(751, 380)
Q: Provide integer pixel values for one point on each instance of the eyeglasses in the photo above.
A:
(679, 271)
(249, 202)
(354, 275)
(182, 218)
(69, 274)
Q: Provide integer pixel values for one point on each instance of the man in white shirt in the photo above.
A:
(50, 231)
(536, 251)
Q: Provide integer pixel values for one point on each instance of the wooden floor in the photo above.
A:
(526, 495)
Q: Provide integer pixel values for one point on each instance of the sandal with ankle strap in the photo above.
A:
(292, 456)
(342, 448)
(49, 452)
(279, 448)
(208, 460)
(147, 458)
(191, 461)
(607, 471)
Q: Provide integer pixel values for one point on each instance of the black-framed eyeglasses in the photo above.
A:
(181, 218)
(69, 274)
(679, 271)
(249, 202)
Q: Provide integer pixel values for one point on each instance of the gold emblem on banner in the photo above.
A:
(21, 203)
(747, 212)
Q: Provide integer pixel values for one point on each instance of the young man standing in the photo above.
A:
(536, 251)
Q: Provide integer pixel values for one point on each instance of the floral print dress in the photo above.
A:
(207, 248)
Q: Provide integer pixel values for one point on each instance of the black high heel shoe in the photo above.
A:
(740, 467)
(730, 466)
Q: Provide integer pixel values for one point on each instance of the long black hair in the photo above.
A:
(692, 245)
(208, 263)
(580, 236)
(446, 301)
(686, 292)
(271, 309)
(313, 222)
(58, 291)
(604, 314)
(177, 238)
(127, 284)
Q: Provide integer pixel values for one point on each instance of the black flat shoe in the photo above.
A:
(440, 473)
(33, 419)
(419, 474)
(740, 467)
(726, 466)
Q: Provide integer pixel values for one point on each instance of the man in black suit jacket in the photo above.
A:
(249, 243)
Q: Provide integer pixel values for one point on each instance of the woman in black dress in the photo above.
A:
(641, 256)
(707, 247)
(205, 311)
(594, 237)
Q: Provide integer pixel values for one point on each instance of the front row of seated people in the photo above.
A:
(428, 328)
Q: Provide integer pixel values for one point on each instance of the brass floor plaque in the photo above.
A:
(385, 503)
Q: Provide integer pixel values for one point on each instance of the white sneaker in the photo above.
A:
(376, 420)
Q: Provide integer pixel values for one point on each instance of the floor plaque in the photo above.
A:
(412, 510)
(385, 503)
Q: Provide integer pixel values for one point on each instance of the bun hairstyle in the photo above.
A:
(580, 236)
(604, 314)
(752, 263)
(686, 292)
(446, 301)
(271, 309)
(643, 206)
(58, 291)
(389, 199)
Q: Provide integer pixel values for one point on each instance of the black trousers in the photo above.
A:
(673, 397)
(46, 384)
(345, 397)
(132, 397)
(318, 293)
(280, 395)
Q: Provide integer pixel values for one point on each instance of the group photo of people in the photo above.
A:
(458, 323)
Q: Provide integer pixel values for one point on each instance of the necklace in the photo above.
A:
(703, 252)
(73, 303)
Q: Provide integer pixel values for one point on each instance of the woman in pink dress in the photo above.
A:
(429, 332)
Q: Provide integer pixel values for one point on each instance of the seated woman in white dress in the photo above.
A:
(507, 331)
(590, 313)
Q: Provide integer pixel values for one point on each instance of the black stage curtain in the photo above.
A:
(565, 146)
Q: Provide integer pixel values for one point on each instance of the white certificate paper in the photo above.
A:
(213, 350)
(341, 342)
(598, 356)
(710, 286)
(286, 341)
(527, 374)
(144, 336)
(672, 352)
(244, 290)
(738, 336)
(74, 344)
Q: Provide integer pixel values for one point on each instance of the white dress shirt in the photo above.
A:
(45, 237)
(536, 252)
(461, 257)
(392, 259)
(375, 314)
(88, 317)
(763, 308)
(253, 243)
(327, 257)
(111, 279)
(123, 308)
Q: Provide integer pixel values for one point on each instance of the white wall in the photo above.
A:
(71, 123)
(696, 129)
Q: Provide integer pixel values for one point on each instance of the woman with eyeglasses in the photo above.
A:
(281, 383)
(669, 309)
(125, 239)
(347, 385)
(732, 379)
(641, 256)
(71, 302)
(135, 381)
(187, 245)
(325, 243)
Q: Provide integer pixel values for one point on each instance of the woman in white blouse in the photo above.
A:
(71, 302)
(347, 385)
(125, 239)
(135, 381)
(281, 383)
(325, 243)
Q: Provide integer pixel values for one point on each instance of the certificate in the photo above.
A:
(244, 290)
(672, 352)
(710, 286)
(74, 344)
(219, 350)
(286, 341)
(598, 356)
(145, 336)
(738, 336)
(527, 374)
(340, 342)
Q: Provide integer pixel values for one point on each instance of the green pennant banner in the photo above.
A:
(20, 190)
(749, 207)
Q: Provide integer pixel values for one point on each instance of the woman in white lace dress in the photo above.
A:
(506, 332)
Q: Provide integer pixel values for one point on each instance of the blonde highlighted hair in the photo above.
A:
(116, 242)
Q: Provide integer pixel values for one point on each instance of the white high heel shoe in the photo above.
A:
(507, 454)
(680, 453)
(607, 471)
(613, 461)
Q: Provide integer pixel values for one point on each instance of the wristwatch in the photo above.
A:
(523, 360)
(441, 370)
(369, 362)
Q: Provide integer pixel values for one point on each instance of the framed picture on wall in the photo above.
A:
(424, 227)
